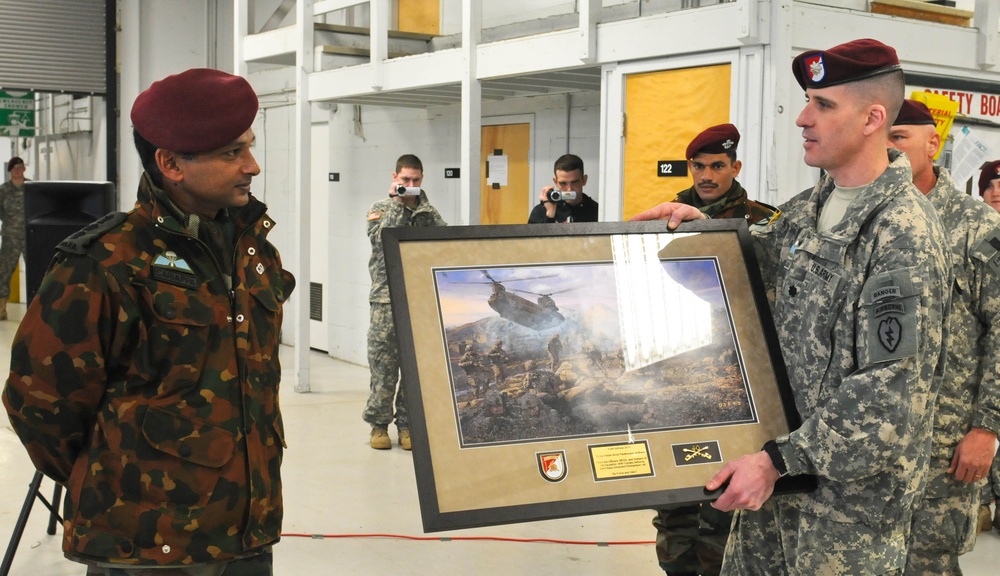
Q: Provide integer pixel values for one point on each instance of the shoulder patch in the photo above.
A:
(988, 251)
(79, 241)
(372, 216)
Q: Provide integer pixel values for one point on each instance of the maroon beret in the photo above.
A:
(198, 110)
(855, 60)
(715, 140)
(14, 161)
(990, 171)
(914, 112)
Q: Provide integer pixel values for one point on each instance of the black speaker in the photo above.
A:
(52, 211)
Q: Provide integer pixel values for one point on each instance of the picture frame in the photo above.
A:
(566, 370)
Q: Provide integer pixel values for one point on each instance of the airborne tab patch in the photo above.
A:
(167, 267)
(889, 306)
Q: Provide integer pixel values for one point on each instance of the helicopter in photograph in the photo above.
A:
(539, 315)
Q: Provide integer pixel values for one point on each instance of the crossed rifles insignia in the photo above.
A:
(697, 451)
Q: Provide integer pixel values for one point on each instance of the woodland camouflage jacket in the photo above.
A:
(151, 391)
(861, 314)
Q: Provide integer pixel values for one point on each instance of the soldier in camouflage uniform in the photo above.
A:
(144, 375)
(476, 373)
(12, 232)
(691, 538)
(967, 409)
(858, 274)
(411, 208)
(989, 189)
(714, 168)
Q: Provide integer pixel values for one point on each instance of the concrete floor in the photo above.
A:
(365, 503)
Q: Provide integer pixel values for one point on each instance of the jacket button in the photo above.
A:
(185, 451)
(170, 314)
(166, 549)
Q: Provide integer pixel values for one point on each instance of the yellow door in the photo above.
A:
(423, 16)
(664, 111)
(505, 189)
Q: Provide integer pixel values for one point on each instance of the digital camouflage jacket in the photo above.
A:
(388, 213)
(861, 315)
(150, 390)
(970, 393)
(12, 210)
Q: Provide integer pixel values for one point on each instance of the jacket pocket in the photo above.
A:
(193, 452)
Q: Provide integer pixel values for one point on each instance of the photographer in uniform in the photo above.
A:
(407, 205)
(565, 202)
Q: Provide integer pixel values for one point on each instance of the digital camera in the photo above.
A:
(407, 190)
(562, 196)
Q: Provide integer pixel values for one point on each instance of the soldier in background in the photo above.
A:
(967, 409)
(989, 189)
(410, 207)
(475, 373)
(714, 168)
(498, 357)
(144, 375)
(555, 348)
(12, 236)
(691, 538)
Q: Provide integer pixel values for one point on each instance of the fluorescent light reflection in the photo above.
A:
(659, 317)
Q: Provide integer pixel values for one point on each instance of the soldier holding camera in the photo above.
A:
(407, 205)
(565, 202)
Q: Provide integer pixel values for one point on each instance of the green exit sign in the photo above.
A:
(17, 114)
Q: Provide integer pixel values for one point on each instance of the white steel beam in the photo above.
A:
(987, 20)
(472, 111)
(302, 196)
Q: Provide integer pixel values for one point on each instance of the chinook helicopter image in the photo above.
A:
(540, 315)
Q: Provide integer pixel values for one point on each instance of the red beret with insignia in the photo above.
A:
(990, 171)
(715, 140)
(913, 113)
(198, 110)
(850, 62)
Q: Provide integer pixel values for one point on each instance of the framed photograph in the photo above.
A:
(564, 370)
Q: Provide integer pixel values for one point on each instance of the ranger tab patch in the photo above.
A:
(889, 304)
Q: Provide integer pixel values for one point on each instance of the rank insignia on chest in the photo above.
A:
(169, 268)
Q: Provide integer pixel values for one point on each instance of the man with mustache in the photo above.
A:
(714, 168)
(144, 375)
(691, 538)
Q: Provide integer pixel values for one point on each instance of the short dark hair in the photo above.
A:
(14, 161)
(147, 155)
(568, 163)
(888, 89)
(409, 161)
